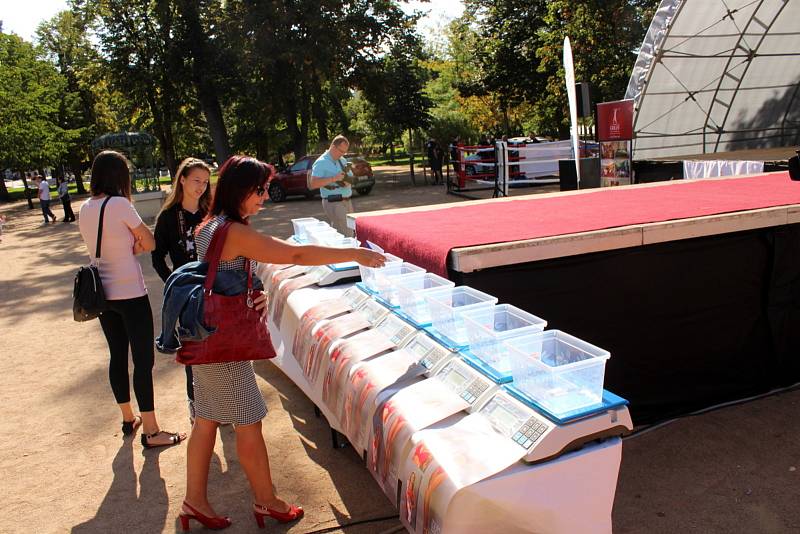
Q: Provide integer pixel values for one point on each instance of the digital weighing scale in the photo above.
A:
(432, 355)
(472, 386)
(372, 310)
(354, 297)
(544, 436)
(336, 273)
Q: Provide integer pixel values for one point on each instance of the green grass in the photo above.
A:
(400, 159)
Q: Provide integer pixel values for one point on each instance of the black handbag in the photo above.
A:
(88, 297)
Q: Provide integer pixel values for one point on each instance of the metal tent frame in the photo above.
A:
(717, 76)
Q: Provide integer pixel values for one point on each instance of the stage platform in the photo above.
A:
(694, 287)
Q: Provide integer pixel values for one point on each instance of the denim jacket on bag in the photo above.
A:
(182, 308)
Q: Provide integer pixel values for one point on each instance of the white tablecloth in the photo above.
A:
(573, 493)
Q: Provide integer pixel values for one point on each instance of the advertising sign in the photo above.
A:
(615, 132)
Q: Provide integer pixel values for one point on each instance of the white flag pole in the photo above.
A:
(569, 77)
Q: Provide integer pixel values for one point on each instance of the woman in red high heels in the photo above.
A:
(227, 392)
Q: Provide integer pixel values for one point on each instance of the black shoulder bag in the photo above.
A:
(88, 297)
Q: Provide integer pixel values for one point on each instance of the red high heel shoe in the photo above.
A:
(213, 523)
(260, 512)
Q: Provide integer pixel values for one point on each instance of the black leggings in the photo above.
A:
(130, 322)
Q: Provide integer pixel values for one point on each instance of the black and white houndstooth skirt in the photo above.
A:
(228, 393)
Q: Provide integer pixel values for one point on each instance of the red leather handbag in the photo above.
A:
(241, 333)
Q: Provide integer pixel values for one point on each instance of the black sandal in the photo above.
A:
(174, 439)
(129, 427)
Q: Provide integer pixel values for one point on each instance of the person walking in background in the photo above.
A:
(228, 392)
(44, 198)
(63, 194)
(435, 158)
(128, 321)
(329, 175)
(184, 208)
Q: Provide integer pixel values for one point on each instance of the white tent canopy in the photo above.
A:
(717, 76)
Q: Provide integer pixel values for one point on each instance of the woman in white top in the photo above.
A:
(129, 319)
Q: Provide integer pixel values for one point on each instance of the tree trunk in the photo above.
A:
(27, 191)
(319, 112)
(290, 115)
(216, 125)
(75, 167)
(204, 85)
(305, 119)
(5, 196)
(163, 133)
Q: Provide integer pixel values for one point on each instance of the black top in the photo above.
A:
(175, 238)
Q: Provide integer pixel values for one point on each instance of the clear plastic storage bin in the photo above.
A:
(345, 242)
(387, 285)
(325, 237)
(370, 276)
(558, 371)
(446, 306)
(299, 226)
(410, 294)
(488, 327)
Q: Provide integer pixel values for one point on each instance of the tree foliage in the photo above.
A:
(31, 135)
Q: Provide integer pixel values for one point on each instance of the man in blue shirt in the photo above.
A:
(329, 175)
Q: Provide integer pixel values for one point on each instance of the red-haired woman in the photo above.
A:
(227, 392)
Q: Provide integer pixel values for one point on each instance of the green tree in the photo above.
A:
(198, 34)
(139, 40)
(303, 56)
(604, 36)
(30, 133)
(395, 87)
(84, 107)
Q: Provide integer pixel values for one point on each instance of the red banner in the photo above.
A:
(615, 121)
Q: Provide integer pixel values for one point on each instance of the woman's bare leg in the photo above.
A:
(199, 449)
(252, 453)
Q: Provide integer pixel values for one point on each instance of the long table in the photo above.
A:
(693, 287)
(571, 493)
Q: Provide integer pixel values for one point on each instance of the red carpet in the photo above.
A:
(426, 238)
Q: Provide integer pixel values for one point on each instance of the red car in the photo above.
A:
(294, 179)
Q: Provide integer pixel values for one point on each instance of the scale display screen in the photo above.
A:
(395, 329)
(373, 311)
(354, 297)
(456, 379)
(418, 347)
(319, 271)
(503, 418)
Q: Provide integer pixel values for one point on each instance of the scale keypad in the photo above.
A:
(474, 390)
(433, 357)
(530, 432)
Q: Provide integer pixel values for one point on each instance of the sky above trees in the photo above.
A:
(23, 18)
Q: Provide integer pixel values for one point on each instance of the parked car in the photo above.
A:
(481, 162)
(293, 180)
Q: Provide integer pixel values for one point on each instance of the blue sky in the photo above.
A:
(22, 17)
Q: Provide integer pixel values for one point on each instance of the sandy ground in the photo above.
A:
(65, 466)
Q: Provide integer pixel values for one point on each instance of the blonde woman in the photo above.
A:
(184, 209)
